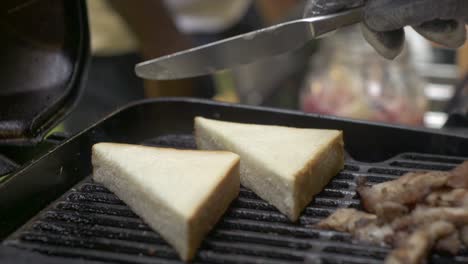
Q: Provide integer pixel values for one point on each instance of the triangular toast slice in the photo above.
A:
(179, 193)
(285, 166)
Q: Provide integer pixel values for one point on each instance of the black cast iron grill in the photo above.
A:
(90, 222)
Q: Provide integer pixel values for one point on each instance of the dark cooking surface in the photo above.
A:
(90, 222)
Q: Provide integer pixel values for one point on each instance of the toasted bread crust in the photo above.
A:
(290, 195)
(184, 232)
(329, 162)
(206, 216)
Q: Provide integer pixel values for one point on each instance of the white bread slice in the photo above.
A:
(285, 166)
(179, 193)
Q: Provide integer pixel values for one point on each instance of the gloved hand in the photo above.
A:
(441, 21)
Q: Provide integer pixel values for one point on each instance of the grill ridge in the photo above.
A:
(92, 223)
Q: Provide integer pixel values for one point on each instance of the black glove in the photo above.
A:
(441, 21)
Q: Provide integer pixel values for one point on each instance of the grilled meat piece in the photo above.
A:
(365, 227)
(459, 177)
(346, 220)
(415, 213)
(407, 190)
(448, 197)
(450, 244)
(424, 215)
(388, 211)
(362, 225)
(375, 234)
(464, 235)
(416, 248)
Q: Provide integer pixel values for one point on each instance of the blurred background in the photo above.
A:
(339, 75)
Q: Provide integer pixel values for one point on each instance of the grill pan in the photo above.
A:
(44, 51)
(53, 207)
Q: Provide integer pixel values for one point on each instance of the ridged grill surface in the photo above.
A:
(90, 222)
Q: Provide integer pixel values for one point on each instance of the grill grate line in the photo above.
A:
(99, 208)
(266, 227)
(327, 258)
(99, 198)
(99, 231)
(209, 256)
(103, 244)
(388, 171)
(91, 254)
(431, 158)
(256, 250)
(96, 219)
(421, 165)
(90, 187)
(268, 239)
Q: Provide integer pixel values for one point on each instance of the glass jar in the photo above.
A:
(348, 78)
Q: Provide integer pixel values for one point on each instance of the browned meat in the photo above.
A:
(399, 238)
(373, 233)
(409, 189)
(388, 211)
(459, 177)
(422, 215)
(464, 235)
(362, 225)
(415, 213)
(416, 248)
(448, 197)
(450, 244)
(346, 220)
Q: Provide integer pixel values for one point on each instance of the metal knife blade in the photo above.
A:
(244, 49)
